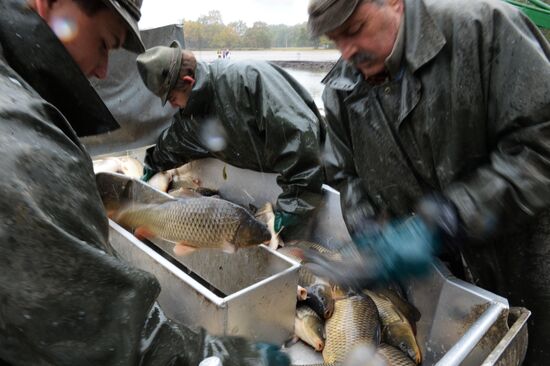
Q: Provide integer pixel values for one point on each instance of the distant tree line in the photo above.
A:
(209, 32)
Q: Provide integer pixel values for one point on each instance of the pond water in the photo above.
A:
(311, 80)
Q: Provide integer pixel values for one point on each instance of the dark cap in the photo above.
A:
(130, 12)
(159, 68)
(327, 15)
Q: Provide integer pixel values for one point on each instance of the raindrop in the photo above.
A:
(27, 316)
(213, 135)
(65, 29)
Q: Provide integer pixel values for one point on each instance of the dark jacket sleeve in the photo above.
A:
(339, 162)
(270, 124)
(515, 181)
(292, 132)
(65, 299)
(177, 145)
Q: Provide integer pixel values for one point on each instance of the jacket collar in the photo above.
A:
(423, 41)
(201, 94)
(33, 51)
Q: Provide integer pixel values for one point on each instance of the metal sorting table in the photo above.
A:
(253, 292)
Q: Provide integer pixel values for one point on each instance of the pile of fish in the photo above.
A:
(336, 321)
(126, 165)
(179, 182)
(377, 325)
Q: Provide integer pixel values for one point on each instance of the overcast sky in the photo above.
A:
(156, 13)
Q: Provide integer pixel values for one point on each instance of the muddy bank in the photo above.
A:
(321, 66)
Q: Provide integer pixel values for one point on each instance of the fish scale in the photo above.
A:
(393, 356)
(354, 321)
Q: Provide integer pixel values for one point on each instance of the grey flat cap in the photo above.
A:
(159, 68)
(327, 15)
(129, 10)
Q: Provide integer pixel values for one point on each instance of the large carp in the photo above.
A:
(393, 356)
(309, 327)
(354, 322)
(319, 291)
(194, 223)
(396, 329)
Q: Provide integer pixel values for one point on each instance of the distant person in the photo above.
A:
(251, 114)
(219, 53)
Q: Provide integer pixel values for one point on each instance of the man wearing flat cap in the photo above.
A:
(259, 117)
(65, 299)
(438, 140)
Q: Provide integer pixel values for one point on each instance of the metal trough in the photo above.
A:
(250, 293)
(461, 324)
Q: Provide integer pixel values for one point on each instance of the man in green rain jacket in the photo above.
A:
(250, 114)
(65, 299)
(439, 126)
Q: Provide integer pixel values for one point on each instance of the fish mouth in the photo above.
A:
(319, 345)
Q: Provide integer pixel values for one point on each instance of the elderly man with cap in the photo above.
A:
(64, 297)
(250, 114)
(438, 140)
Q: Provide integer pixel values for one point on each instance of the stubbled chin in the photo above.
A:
(369, 71)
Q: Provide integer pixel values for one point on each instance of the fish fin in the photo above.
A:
(141, 232)
(227, 247)
(182, 249)
(291, 342)
(266, 208)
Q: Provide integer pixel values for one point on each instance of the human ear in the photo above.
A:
(188, 80)
(43, 8)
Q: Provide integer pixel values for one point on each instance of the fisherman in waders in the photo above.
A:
(261, 117)
(438, 140)
(65, 299)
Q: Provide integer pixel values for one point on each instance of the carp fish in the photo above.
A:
(354, 322)
(396, 329)
(119, 164)
(308, 326)
(195, 223)
(393, 356)
(319, 291)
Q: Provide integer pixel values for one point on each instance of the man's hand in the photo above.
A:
(147, 174)
(401, 249)
(271, 355)
(395, 250)
(284, 220)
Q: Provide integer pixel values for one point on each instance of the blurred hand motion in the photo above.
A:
(271, 355)
(391, 251)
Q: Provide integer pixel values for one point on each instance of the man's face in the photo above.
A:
(178, 98)
(366, 39)
(87, 38)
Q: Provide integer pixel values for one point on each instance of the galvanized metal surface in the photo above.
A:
(250, 293)
(451, 309)
(512, 348)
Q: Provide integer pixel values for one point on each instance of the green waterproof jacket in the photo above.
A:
(64, 297)
(468, 116)
(266, 121)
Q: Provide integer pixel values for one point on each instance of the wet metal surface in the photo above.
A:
(250, 293)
